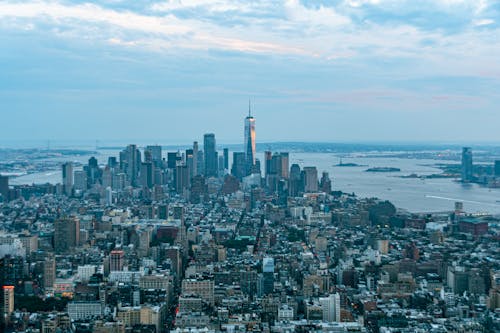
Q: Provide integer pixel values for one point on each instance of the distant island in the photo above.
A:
(383, 169)
(341, 164)
(432, 176)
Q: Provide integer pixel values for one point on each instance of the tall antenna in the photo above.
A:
(249, 109)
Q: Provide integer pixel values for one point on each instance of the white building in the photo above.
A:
(85, 272)
(331, 308)
(285, 313)
(84, 310)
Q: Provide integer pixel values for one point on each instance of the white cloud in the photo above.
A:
(288, 28)
(211, 6)
(360, 3)
(320, 16)
(482, 22)
(93, 13)
(178, 32)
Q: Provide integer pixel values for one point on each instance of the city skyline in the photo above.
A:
(335, 71)
(357, 193)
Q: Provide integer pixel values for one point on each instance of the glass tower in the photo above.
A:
(249, 143)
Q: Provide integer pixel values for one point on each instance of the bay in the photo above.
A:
(412, 194)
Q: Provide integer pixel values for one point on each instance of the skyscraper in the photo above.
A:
(210, 154)
(67, 177)
(133, 162)
(285, 164)
(66, 234)
(295, 181)
(268, 274)
(8, 301)
(49, 272)
(116, 260)
(147, 174)
(93, 171)
(249, 143)
(182, 179)
(331, 307)
(171, 160)
(190, 162)
(155, 152)
(466, 164)
(238, 168)
(226, 158)
(4, 187)
(80, 180)
(195, 171)
(268, 156)
(325, 183)
(310, 179)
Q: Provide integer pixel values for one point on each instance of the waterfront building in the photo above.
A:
(467, 171)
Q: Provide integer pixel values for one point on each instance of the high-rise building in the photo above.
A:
(112, 163)
(182, 179)
(147, 174)
(268, 156)
(331, 307)
(276, 169)
(93, 171)
(249, 143)
(310, 179)
(178, 212)
(66, 234)
(107, 176)
(132, 162)
(148, 157)
(171, 160)
(3, 282)
(325, 183)
(199, 189)
(467, 164)
(4, 187)
(109, 196)
(226, 158)
(81, 180)
(155, 152)
(8, 301)
(285, 166)
(190, 162)
(268, 274)
(295, 185)
(195, 171)
(210, 152)
(49, 272)
(30, 242)
(163, 211)
(220, 165)
(200, 169)
(67, 177)
(116, 260)
(238, 169)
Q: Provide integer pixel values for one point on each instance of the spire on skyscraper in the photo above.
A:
(249, 143)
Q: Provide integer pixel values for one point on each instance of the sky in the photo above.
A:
(329, 71)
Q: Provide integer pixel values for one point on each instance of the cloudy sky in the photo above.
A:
(171, 70)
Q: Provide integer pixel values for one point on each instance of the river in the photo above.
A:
(412, 194)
